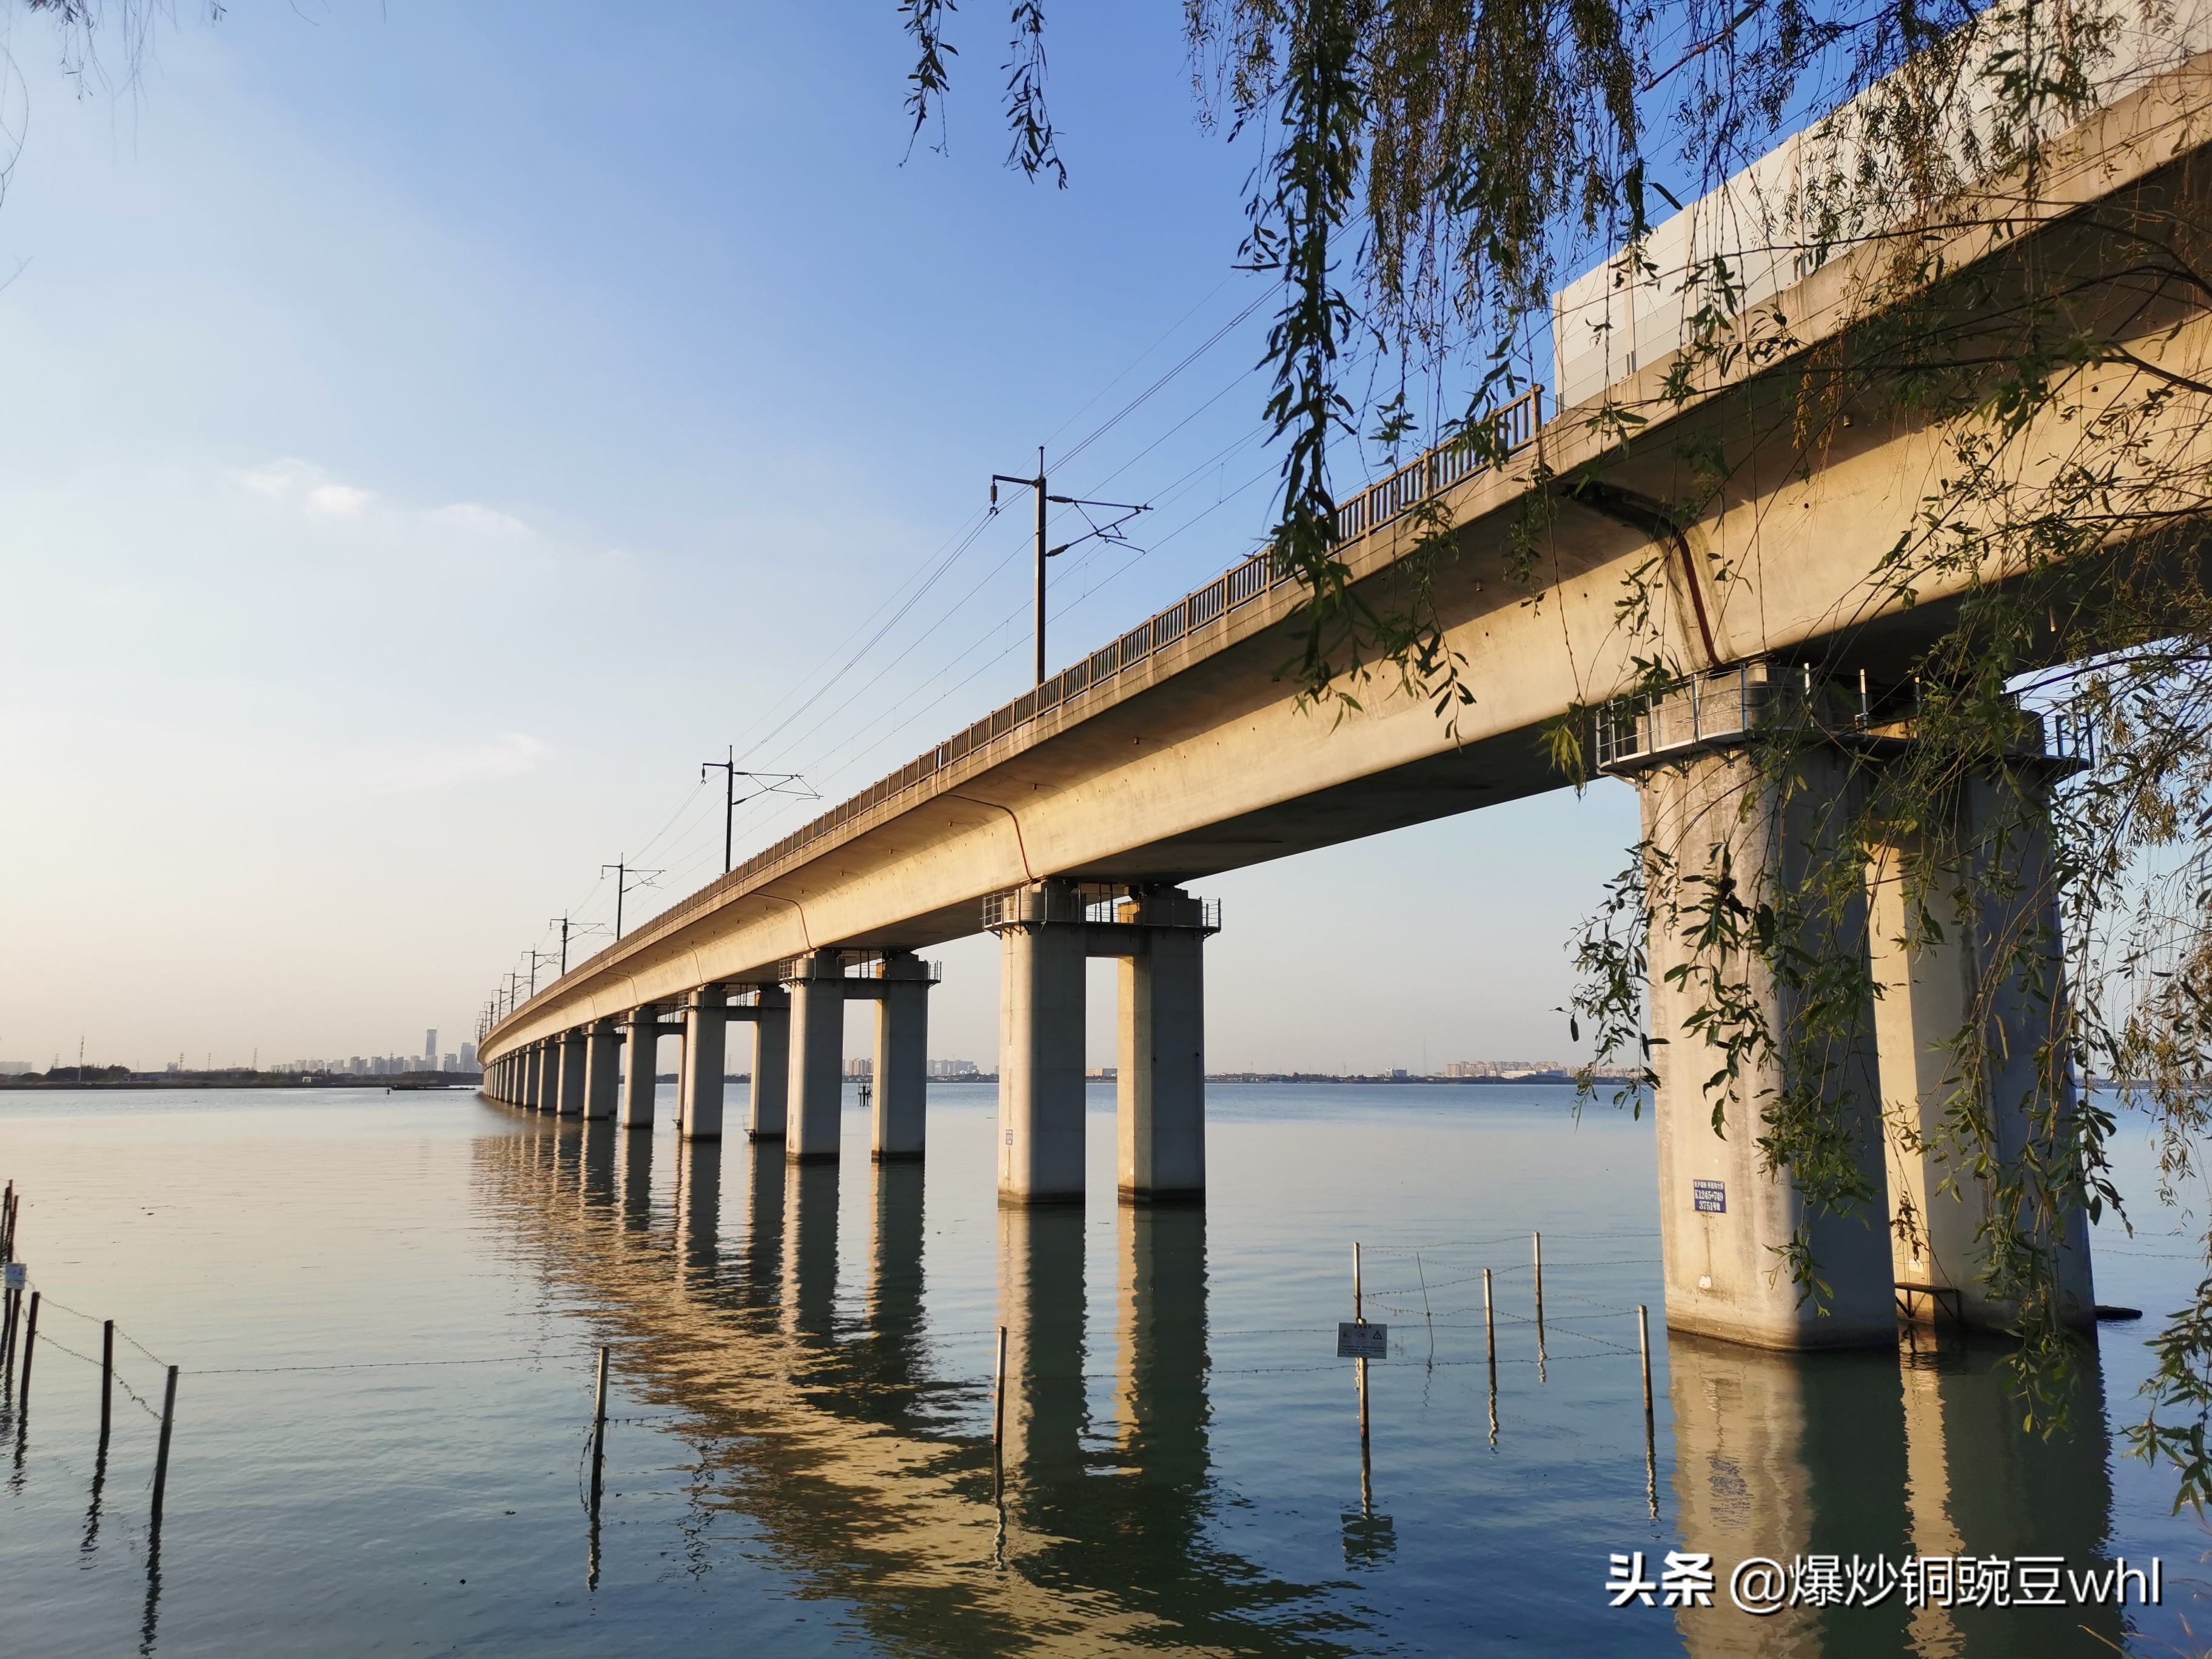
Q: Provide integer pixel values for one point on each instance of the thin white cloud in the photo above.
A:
(338, 501)
(303, 485)
(436, 766)
(302, 481)
(479, 520)
(276, 480)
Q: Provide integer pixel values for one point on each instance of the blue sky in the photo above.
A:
(435, 430)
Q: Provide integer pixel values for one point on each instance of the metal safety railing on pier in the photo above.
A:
(1730, 706)
(1099, 902)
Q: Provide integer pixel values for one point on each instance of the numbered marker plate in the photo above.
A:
(1355, 1340)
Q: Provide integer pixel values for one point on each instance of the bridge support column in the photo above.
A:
(640, 1067)
(542, 1063)
(602, 1070)
(1987, 882)
(771, 1085)
(1726, 1220)
(700, 1090)
(817, 1090)
(1040, 1034)
(570, 1047)
(1160, 1066)
(902, 1071)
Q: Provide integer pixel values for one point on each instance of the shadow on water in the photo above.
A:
(1888, 1455)
(866, 1474)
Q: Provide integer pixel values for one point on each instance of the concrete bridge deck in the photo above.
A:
(1195, 757)
(1182, 751)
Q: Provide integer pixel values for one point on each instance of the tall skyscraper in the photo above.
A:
(430, 1049)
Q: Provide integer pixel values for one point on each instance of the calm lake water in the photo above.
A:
(387, 1307)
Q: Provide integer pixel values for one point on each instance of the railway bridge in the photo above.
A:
(1082, 818)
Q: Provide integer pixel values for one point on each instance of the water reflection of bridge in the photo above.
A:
(818, 1418)
(1873, 1455)
(865, 1473)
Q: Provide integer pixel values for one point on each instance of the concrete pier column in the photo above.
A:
(1994, 961)
(700, 1086)
(570, 1095)
(771, 1085)
(817, 1057)
(602, 1070)
(1160, 1070)
(544, 1062)
(640, 1067)
(1041, 1035)
(901, 1070)
(1726, 1219)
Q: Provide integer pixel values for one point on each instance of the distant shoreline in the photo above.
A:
(428, 1081)
(411, 1080)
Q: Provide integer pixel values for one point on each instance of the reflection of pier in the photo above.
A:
(833, 1439)
(1783, 1456)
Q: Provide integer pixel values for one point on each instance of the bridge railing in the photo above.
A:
(1099, 902)
(1494, 437)
(1727, 705)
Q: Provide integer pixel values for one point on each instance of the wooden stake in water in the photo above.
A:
(1490, 1351)
(107, 1379)
(599, 1434)
(1428, 1314)
(1489, 1325)
(1538, 1239)
(161, 1447)
(1359, 1317)
(1650, 1434)
(30, 1352)
(998, 1396)
(1643, 1348)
